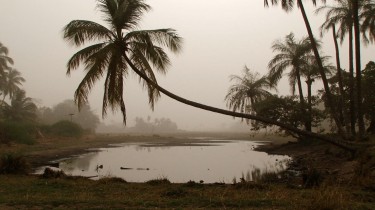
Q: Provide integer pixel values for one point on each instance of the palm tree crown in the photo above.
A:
(12, 81)
(115, 46)
(291, 54)
(247, 90)
(4, 59)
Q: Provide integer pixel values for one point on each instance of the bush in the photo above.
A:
(17, 131)
(13, 164)
(66, 129)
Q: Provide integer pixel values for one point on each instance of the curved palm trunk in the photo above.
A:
(331, 105)
(302, 101)
(337, 142)
(351, 85)
(340, 82)
(361, 123)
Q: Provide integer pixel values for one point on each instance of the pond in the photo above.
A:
(208, 161)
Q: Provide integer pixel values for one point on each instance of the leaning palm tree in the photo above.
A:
(121, 48)
(247, 90)
(12, 83)
(118, 45)
(292, 55)
(288, 5)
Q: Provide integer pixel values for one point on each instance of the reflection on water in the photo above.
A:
(215, 162)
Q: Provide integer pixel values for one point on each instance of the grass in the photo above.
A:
(79, 193)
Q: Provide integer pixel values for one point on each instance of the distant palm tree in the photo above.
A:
(11, 83)
(21, 108)
(4, 59)
(249, 88)
(288, 5)
(119, 45)
(292, 55)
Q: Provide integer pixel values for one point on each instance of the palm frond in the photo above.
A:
(78, 32)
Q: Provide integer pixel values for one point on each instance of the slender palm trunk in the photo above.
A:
(337, 142)
(302, 101)
(309, 82)
(351, 85)
(361, 123)
(340, 82)
(331, 105)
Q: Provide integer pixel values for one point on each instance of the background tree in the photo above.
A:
(247, 89)
(369, 95)
(11, 83)
(119, 44)
(5, 60)
(68, 110)
(292, 55)
(21, 108)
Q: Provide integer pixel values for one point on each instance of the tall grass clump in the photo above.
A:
(18, 132)
(159, 181)
(329, 198)
(13, 164)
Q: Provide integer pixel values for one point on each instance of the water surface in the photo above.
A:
(210, 161)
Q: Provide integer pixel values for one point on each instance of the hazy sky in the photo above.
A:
(220, 37)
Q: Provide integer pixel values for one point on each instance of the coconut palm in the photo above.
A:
(118, 45)
(292, 55)
(12, 82)
(21, 108)
(248, 89)
(311, 73)
(341, 14)
(288, 5)
(368, 21)
(121, 48)
(4, 59)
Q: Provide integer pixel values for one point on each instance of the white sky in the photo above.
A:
(220, 37)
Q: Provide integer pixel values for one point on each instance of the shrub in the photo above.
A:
(159, 181)
(13, 164)
(49, 173)
(17, 131)
(66, 129)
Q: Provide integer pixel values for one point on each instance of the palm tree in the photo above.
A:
(311, 73)
(342, 15)
(288, 5)
(368, 23)
(12, 82)
(291, 55)
(4, 59)
(119, 45)
(248, 89)
(21, 108)
(121, 49)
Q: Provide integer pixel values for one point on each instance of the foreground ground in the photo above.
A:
(340, 187)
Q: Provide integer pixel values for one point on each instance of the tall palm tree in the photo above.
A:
(288, 5)
(292, 55)
(121, 49)
(118, 45)
(21, 108)
(311, 73)
(248, 89)
(341, 14)
(12, 82)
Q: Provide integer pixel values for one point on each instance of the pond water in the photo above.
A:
(211, 161)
